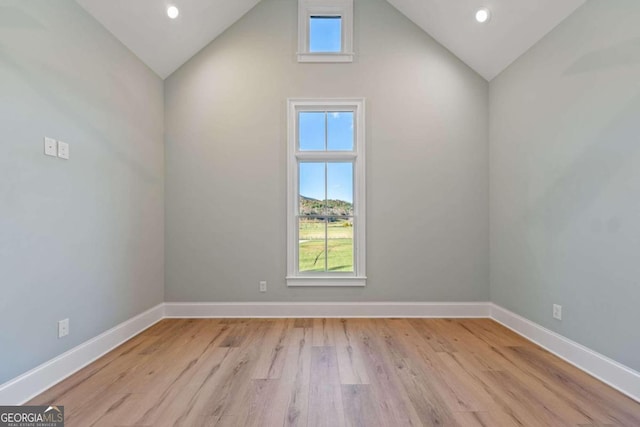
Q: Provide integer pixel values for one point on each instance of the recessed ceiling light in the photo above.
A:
(483, 15)
(173, 12)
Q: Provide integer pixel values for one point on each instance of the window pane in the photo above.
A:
(340, 244)
(325, 34)
(312, 188)
(312, 244)
(340, 131)
(340, 189)
(311, 131)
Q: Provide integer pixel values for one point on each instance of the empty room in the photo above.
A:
(319, 213)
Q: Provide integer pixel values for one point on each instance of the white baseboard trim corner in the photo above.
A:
(28, 385)
(327, 309)
(616, 375)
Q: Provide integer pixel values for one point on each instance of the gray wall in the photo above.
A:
(427, 160)
(565, 180)
(81, 238)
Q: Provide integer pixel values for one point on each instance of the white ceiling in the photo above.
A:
(489, 48)
(165, 44)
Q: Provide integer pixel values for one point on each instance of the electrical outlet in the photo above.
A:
(557, 311)
(263, 286)
(63, 150)
(63, 328)
(50, 147)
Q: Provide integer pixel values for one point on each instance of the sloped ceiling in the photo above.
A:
(488, 48)
(165, 44)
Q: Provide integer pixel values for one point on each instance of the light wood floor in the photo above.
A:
(335, 372)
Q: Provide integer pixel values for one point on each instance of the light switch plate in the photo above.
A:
(63, 150)
(50, 147)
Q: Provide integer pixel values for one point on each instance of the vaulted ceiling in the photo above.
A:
(165, 44)
(489, 48)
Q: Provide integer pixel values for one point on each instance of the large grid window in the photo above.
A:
(326, 193)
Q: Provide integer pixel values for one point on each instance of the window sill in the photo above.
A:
(325, 57)
(326, 281)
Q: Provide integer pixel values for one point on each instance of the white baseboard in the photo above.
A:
(618, 376)
(28, 385)
(324, 309)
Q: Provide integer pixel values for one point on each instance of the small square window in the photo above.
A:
(325, 30)
(325, 34)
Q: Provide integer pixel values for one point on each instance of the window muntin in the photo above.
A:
(325, 217)
(326, 193)
(326, 131)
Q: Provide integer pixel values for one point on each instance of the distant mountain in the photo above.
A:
(309, 206)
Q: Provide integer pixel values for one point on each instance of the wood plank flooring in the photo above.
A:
(335, 372)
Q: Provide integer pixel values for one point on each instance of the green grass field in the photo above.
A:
(339, 244)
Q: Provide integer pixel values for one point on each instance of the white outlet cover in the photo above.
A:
(557, 311)
(63, 150)
(63, 328)
(50, 147)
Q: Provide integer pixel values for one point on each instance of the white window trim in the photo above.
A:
(309, 8)
(357, 105)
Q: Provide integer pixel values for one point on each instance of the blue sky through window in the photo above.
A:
(325, 34)
(340, 131)
(339, 181)
(312, 180)
(312, 127)
(337, 125)
(333, 130)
